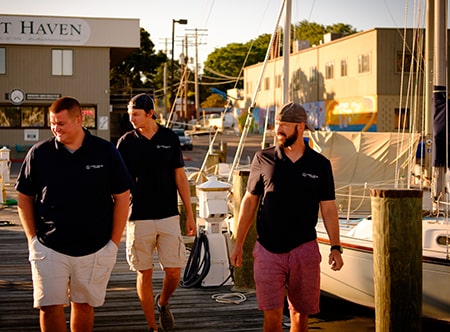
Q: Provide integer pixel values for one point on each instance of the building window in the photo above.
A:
(343, 68)
(89, 116)
(62, 62)
(410, 63)
(278, 81)
(266, 83)
(249, 87)
(364, 63)
(401, 119)
(312, 74)
(329, 70)
(37, 117)
(32, 117)
(2, 60)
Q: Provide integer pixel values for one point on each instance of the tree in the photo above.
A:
(138, 70)
(214, 100)
(314, 32)
(223, 67)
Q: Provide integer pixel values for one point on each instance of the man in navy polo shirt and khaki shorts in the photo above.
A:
(153, 155)
(290, 182)
(74, 196)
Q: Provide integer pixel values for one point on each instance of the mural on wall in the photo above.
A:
(352, 114)
(316, 114)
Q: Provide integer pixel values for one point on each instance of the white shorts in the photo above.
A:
(164, 235)
(59, 278)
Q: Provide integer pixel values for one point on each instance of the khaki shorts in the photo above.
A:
(164, 235)
(59, 278)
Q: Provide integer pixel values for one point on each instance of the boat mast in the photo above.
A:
(286, 51)
(440, 102)
(429, 47)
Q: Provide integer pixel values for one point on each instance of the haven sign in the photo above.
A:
(43, 30)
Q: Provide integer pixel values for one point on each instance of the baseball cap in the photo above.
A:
(142, 102)
(293, 112)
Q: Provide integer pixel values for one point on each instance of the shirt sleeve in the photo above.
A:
(255, 184)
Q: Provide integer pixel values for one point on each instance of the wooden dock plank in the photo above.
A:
(193, 308)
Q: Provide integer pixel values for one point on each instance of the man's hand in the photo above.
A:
(335, 260)
(191, 228)
(236, 256)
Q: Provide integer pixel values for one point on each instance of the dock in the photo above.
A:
(194, 308)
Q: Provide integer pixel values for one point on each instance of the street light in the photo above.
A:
(172, 95)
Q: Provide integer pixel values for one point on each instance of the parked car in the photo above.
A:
(185, 140)
(220, 121)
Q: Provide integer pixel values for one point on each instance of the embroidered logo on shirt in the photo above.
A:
(312, 176)
(93, 166)
(163, 146)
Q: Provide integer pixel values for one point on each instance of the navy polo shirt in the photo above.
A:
(290, 195)
(152, 163)
(73, 192)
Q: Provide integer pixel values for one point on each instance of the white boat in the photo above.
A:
(354, 164)
(355, 281)
(361, 161)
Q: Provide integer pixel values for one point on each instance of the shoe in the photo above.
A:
(166, 319)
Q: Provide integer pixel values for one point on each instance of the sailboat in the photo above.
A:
(384, 159)
(348, 152)
(356, 156)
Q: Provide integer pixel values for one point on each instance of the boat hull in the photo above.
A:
(355, 281)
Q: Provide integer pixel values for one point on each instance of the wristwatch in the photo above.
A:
(337, 247)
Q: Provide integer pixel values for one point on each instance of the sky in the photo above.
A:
(220, 22)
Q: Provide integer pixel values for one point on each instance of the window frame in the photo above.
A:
(62, 62)
(2, 60)
(36, 116)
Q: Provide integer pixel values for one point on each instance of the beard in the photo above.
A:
(287, 141)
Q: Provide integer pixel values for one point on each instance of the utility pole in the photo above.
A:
(172, 95)
(197, 91)
(165, 99)
(186, 79)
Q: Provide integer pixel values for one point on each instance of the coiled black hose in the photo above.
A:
(197, 267)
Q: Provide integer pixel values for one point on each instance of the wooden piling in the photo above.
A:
(397, 259)
(243, 276)
(182, 209)
(211, 162)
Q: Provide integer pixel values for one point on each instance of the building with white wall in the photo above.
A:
(354, 83)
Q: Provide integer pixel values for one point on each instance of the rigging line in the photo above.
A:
(390, 13)
(217, 83)
(399, 124)
(219, 78)
(310, 12)
(241, 71)
(417, 78)
(209, 13)
(249, 118)
(218, 74)
(180, 86)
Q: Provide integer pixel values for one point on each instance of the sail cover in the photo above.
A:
(440, 124)
(363, 160)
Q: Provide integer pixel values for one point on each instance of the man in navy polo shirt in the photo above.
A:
(293, 182)
(153, 156)
(74, 193)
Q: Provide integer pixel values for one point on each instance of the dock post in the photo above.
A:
(397, 259)
(182, 209)
(243, 276)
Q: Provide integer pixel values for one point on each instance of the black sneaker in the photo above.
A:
(166, 319)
